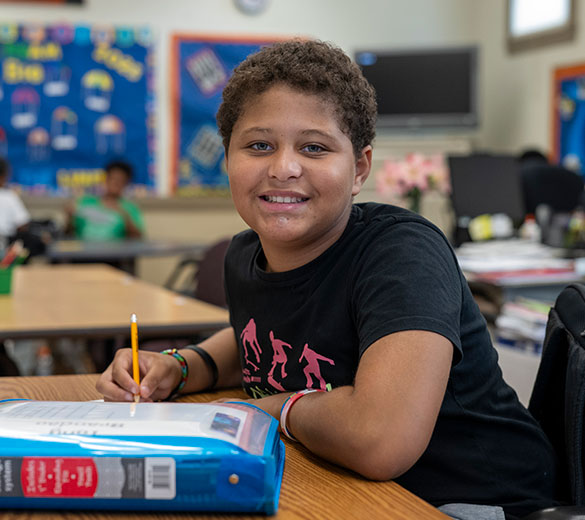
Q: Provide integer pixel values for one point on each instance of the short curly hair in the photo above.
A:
(314, 67)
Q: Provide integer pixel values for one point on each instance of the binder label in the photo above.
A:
(88, 477)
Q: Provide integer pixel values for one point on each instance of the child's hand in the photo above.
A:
(70, 208)
(159, 373)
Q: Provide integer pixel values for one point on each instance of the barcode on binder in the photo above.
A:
(160, 473)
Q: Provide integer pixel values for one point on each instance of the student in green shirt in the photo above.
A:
(109, 216)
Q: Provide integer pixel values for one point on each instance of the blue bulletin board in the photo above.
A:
(569, 117)
(72, 98)
(202, 66)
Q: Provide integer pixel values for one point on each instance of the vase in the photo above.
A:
(413, 198)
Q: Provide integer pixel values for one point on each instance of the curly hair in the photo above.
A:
(314, 67)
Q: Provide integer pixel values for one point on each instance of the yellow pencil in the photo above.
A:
(135, 365)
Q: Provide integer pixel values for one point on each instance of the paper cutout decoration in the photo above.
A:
(25, 107)
(110, 135)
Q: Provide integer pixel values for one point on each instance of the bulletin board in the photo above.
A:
(202, 65)
(73, 98)
(568, 117)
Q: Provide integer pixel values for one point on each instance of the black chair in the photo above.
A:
(554, 186)
(202, 278)
(198, 277)
(558, 400)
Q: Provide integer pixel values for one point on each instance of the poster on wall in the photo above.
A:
(569, 117)
(202, 66)
(73, 98)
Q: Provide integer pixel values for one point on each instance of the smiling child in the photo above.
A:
(350, 323)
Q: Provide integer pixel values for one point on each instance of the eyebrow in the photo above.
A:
(308, 131)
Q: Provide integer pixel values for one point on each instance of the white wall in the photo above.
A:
(352, 25)
(517, 88)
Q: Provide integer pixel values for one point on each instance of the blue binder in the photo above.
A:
(146, 456)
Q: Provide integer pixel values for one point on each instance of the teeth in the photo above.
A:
(285, 200)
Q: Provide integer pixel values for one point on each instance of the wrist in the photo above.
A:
(286, 407)
(206, 368)
(184, 371)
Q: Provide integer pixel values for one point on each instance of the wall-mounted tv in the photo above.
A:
(423, 88)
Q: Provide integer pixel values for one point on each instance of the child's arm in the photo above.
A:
(161, 373)
(381, 425)
(223, 349)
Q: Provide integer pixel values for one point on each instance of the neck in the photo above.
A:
(281, 258)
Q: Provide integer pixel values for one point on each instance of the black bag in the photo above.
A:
(558, 397)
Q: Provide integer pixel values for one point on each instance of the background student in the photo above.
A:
(108, 216)
(364, 300)
(14, 217)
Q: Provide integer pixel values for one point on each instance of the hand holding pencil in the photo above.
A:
(121, 380)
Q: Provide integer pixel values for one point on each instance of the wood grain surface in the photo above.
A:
(94, 299)
(312, 489)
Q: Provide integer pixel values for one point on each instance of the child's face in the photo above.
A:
(292, 170)
(116, 182)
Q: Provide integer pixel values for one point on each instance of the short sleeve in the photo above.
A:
(20, 215)
(408, 279)
(135, 214)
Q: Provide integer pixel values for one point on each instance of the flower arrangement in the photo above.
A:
(412, 176)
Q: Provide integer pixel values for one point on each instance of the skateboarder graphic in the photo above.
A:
(248, 336)
(312, 368)
(278, 356)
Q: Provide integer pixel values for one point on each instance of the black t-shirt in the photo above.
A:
(392, 270)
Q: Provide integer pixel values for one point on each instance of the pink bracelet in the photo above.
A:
(287, 405)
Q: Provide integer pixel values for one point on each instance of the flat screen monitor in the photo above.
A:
(423, 88)
(485, 183)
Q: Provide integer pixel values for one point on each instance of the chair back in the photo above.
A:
(555, 186)
(209, 275)
(558, 397)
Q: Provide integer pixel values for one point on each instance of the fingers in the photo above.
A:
(159, 373)
(162, 375)
(113, 384)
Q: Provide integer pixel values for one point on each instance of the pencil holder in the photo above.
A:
(6, 280)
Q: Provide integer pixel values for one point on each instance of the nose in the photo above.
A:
(285, 165)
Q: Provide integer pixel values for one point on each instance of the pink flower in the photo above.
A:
(415, 171)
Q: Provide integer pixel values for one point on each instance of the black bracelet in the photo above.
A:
(208, 361)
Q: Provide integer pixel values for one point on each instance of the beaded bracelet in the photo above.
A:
(287, 405)
(184, 370)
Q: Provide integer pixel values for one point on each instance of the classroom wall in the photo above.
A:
(377, 23)
(514, 89)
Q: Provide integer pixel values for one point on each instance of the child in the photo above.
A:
(363, 300)
(109, 217)
(14, 217)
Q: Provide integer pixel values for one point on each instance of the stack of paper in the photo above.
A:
(522, 324)
(516, 262)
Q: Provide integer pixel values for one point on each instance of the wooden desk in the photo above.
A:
(96, 300)
(311, 487)
(123, 252)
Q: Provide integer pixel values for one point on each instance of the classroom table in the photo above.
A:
(121, 252)
(95, 300)
(311, 487)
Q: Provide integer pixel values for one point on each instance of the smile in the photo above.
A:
(284, 200)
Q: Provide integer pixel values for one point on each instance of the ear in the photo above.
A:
(363, 166)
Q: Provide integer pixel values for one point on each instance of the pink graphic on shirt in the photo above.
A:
(248, 336)
(278, 356)
(312, 368)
